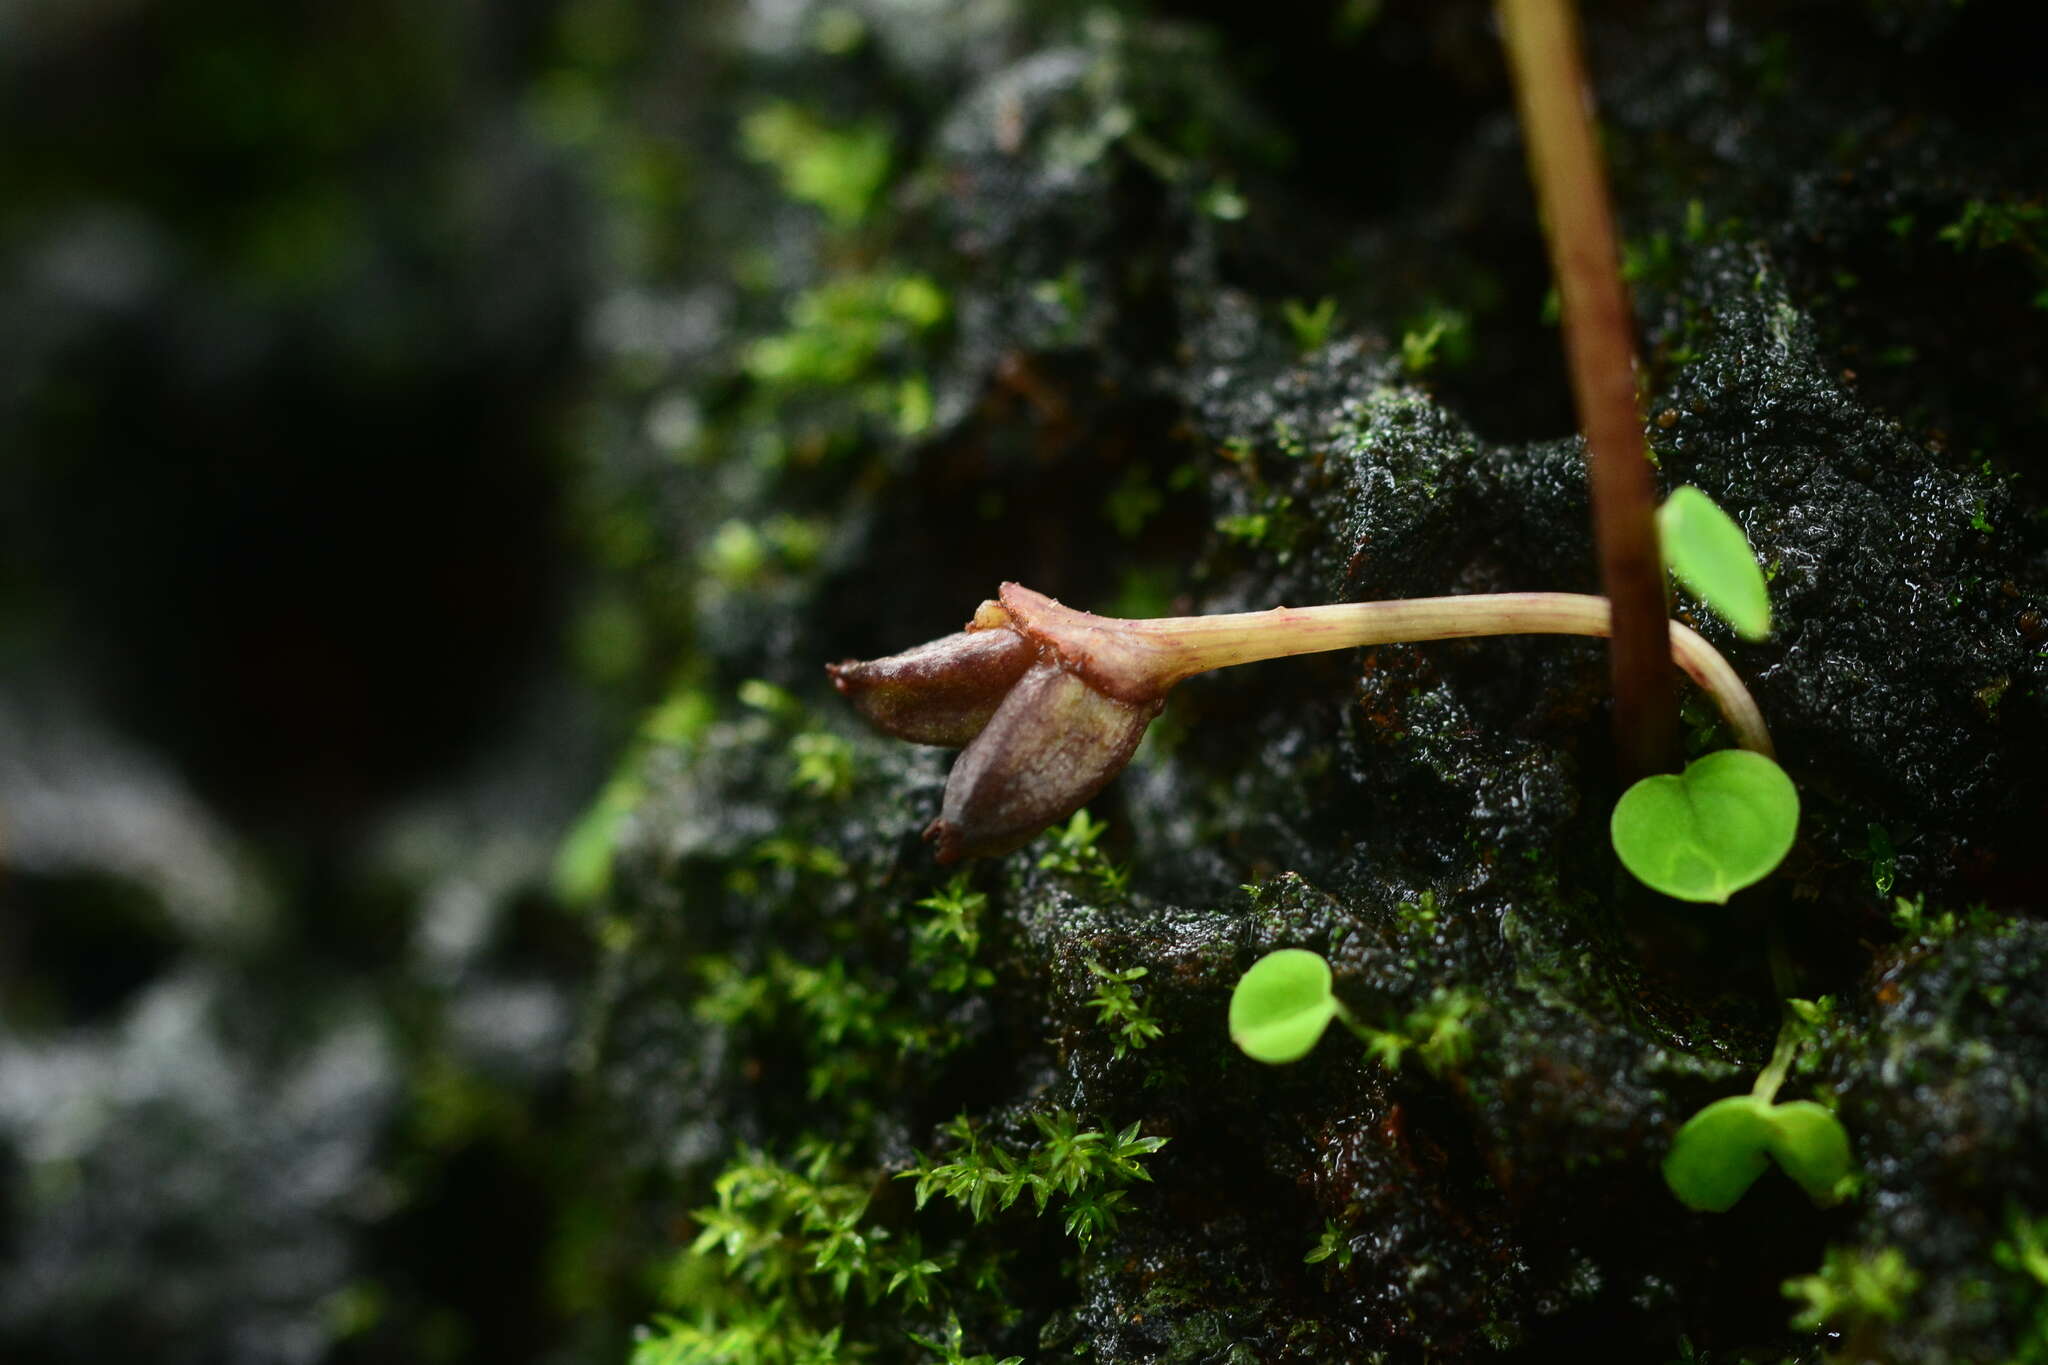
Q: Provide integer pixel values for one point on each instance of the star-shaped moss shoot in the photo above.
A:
(1049, 703)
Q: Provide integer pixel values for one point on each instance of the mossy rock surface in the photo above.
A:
(853, 1089)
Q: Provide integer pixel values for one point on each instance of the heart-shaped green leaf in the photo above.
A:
(1721, 1151)
(1282, 1005)
(1711, 556)
(1705, 833)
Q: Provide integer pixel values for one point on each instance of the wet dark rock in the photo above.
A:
(1123, 417)
(1936, 1081)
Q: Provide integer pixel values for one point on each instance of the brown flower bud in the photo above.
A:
(1053, 743)
(1050, 703)
(943, 692)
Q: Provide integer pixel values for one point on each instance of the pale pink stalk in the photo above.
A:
(1051, 702)
(1138, 660)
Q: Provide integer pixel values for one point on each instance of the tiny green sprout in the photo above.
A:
(1311, 326)
(950, 1350)
(1853, 1286)
(2026, 1248)
(1721, 1150)
(1282, 1005)
(1116, 1006)
(1711, 556)
(1440, 334)
(1333, 1245)
(1704, 834)
(1884, 860)
(824, 764)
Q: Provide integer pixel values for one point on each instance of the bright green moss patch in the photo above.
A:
(1083, 1173)
(1854, 1287)
(839, 330)
(840, 170)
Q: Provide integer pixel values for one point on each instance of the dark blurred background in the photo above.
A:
(292, 705)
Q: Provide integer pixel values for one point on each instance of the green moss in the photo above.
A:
(1912, 917)
(947, 944)
(1133, 502)
(2023, 1253)
(783, 1258)
(840, 170)
(1074, 852)
(838, 331)
(1081, 1173)
(1118, 1009)
(1310, 327)
(582, 869)
(1441, 335)
(791, 1257)
(1854, 1286)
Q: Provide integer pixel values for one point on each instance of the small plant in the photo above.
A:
(1853, 1286)
(1311, 327)
(1730, 817)
(839, 170)
(1075, 853)
(1281, 1007)
(1884, 860)
(950, 1351)
(2024, 1250)
(949, 940)
(824, 764)
(1116, 1007)
(1912, 916)
(1334, 1245)
(1440, 333)
(1088, 1170)
(1722, 1149)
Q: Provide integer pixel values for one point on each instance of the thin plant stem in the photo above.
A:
(1137, 659)
(1773, 1075)
(1555, 100)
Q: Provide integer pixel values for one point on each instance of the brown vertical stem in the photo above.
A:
(1555, 99)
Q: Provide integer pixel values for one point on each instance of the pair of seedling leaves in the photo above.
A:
(1282, 1006)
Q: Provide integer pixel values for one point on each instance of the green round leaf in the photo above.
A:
(1282, 1005)
(1711, 556)
(1812, 1147)
(1719, 1153)
(1705, 833)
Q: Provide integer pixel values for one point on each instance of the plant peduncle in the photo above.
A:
(1051, 702)
(1138, 660)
